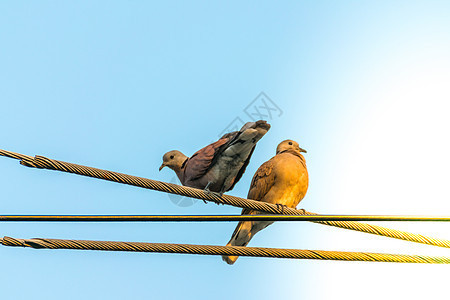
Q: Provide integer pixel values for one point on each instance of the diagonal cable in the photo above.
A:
(51, 164)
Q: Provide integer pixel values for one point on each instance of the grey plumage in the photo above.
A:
(218, 166)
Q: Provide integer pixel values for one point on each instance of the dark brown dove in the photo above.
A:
(282, 180)
(218, 166)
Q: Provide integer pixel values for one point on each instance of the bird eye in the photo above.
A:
(171, 157)
(290, 143)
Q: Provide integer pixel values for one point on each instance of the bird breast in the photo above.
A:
(290, 182)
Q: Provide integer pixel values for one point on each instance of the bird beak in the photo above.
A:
(301, 150)
(162, 166)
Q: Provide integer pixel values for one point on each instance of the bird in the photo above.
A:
(282, 180)
(220, 165)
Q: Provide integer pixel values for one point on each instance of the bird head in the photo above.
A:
(289, 145)
(173, 159)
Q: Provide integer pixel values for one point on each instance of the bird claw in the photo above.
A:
(281, 207)
(220, 194)
(206, 189)
(209, 192)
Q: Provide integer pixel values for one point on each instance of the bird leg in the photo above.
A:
(222, 190)
(208, 191)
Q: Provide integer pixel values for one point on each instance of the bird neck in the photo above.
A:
(180, 171)
(293, 152)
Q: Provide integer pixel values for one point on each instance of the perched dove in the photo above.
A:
(282, 180)
(220, 165)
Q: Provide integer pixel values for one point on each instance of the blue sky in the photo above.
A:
(362, 85)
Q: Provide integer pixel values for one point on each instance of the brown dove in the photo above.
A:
(218, 166)
(282, 180)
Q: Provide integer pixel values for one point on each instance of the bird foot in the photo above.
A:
(281, 206)
(220, 194)
(209, 192)
(206, 189)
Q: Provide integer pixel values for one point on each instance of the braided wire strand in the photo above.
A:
(39, 243)
(51, 164)
(14, 155)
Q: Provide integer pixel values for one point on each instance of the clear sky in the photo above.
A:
(362, 85)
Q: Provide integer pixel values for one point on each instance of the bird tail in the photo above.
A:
(244, 232)
(241, 237)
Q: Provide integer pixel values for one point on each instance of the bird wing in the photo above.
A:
(239, 140)
(202, 160)
(261, 184)
(242, 170)
(262, 181)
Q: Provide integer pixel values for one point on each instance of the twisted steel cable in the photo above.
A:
(38, 243)
(51, 164)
